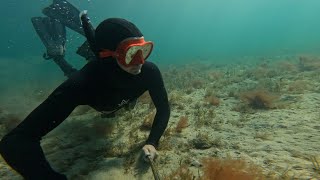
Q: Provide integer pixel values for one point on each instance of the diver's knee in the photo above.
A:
(4, 141)
(11, 143)
(6, 144)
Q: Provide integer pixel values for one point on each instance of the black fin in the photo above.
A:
(66, 13)
(52, 33)
(85, 51)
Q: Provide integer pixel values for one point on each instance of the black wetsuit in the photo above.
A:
(103, 85)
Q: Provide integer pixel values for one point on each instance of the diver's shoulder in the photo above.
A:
(150, 66)
(99, 62)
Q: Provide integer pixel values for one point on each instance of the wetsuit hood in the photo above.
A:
(112, 31)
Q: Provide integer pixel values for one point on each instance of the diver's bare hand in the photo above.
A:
(149, 152)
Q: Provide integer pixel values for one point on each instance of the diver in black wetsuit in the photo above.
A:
(118, 76)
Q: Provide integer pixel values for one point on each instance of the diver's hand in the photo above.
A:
(83, 16)
(149, 152)
(55, 51)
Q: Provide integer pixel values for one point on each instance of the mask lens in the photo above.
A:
(131, 52)
(146, 50)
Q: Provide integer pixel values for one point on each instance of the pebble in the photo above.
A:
(195, 163)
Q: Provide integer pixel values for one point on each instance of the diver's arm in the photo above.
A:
(159, 97)
(89, 30)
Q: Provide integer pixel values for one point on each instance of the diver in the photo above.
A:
(116, 74)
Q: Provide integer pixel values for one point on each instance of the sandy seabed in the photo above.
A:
(264, 111)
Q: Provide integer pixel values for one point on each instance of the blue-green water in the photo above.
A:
(182, 29)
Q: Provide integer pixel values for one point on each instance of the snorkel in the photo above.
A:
(89, 30)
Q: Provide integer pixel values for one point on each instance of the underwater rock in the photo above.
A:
(200, 143)
(195, 163)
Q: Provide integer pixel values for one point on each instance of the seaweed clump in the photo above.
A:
(182, 123)
(309, 63)
(259, 99)
(182, 173)
(316, 164)
(148, 121)
(220, 169)
(230, 169)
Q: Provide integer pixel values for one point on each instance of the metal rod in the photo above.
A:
(154, 169)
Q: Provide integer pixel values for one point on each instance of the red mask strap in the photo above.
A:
(106, 53)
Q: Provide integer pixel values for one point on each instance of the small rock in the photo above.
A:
(195, 163)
